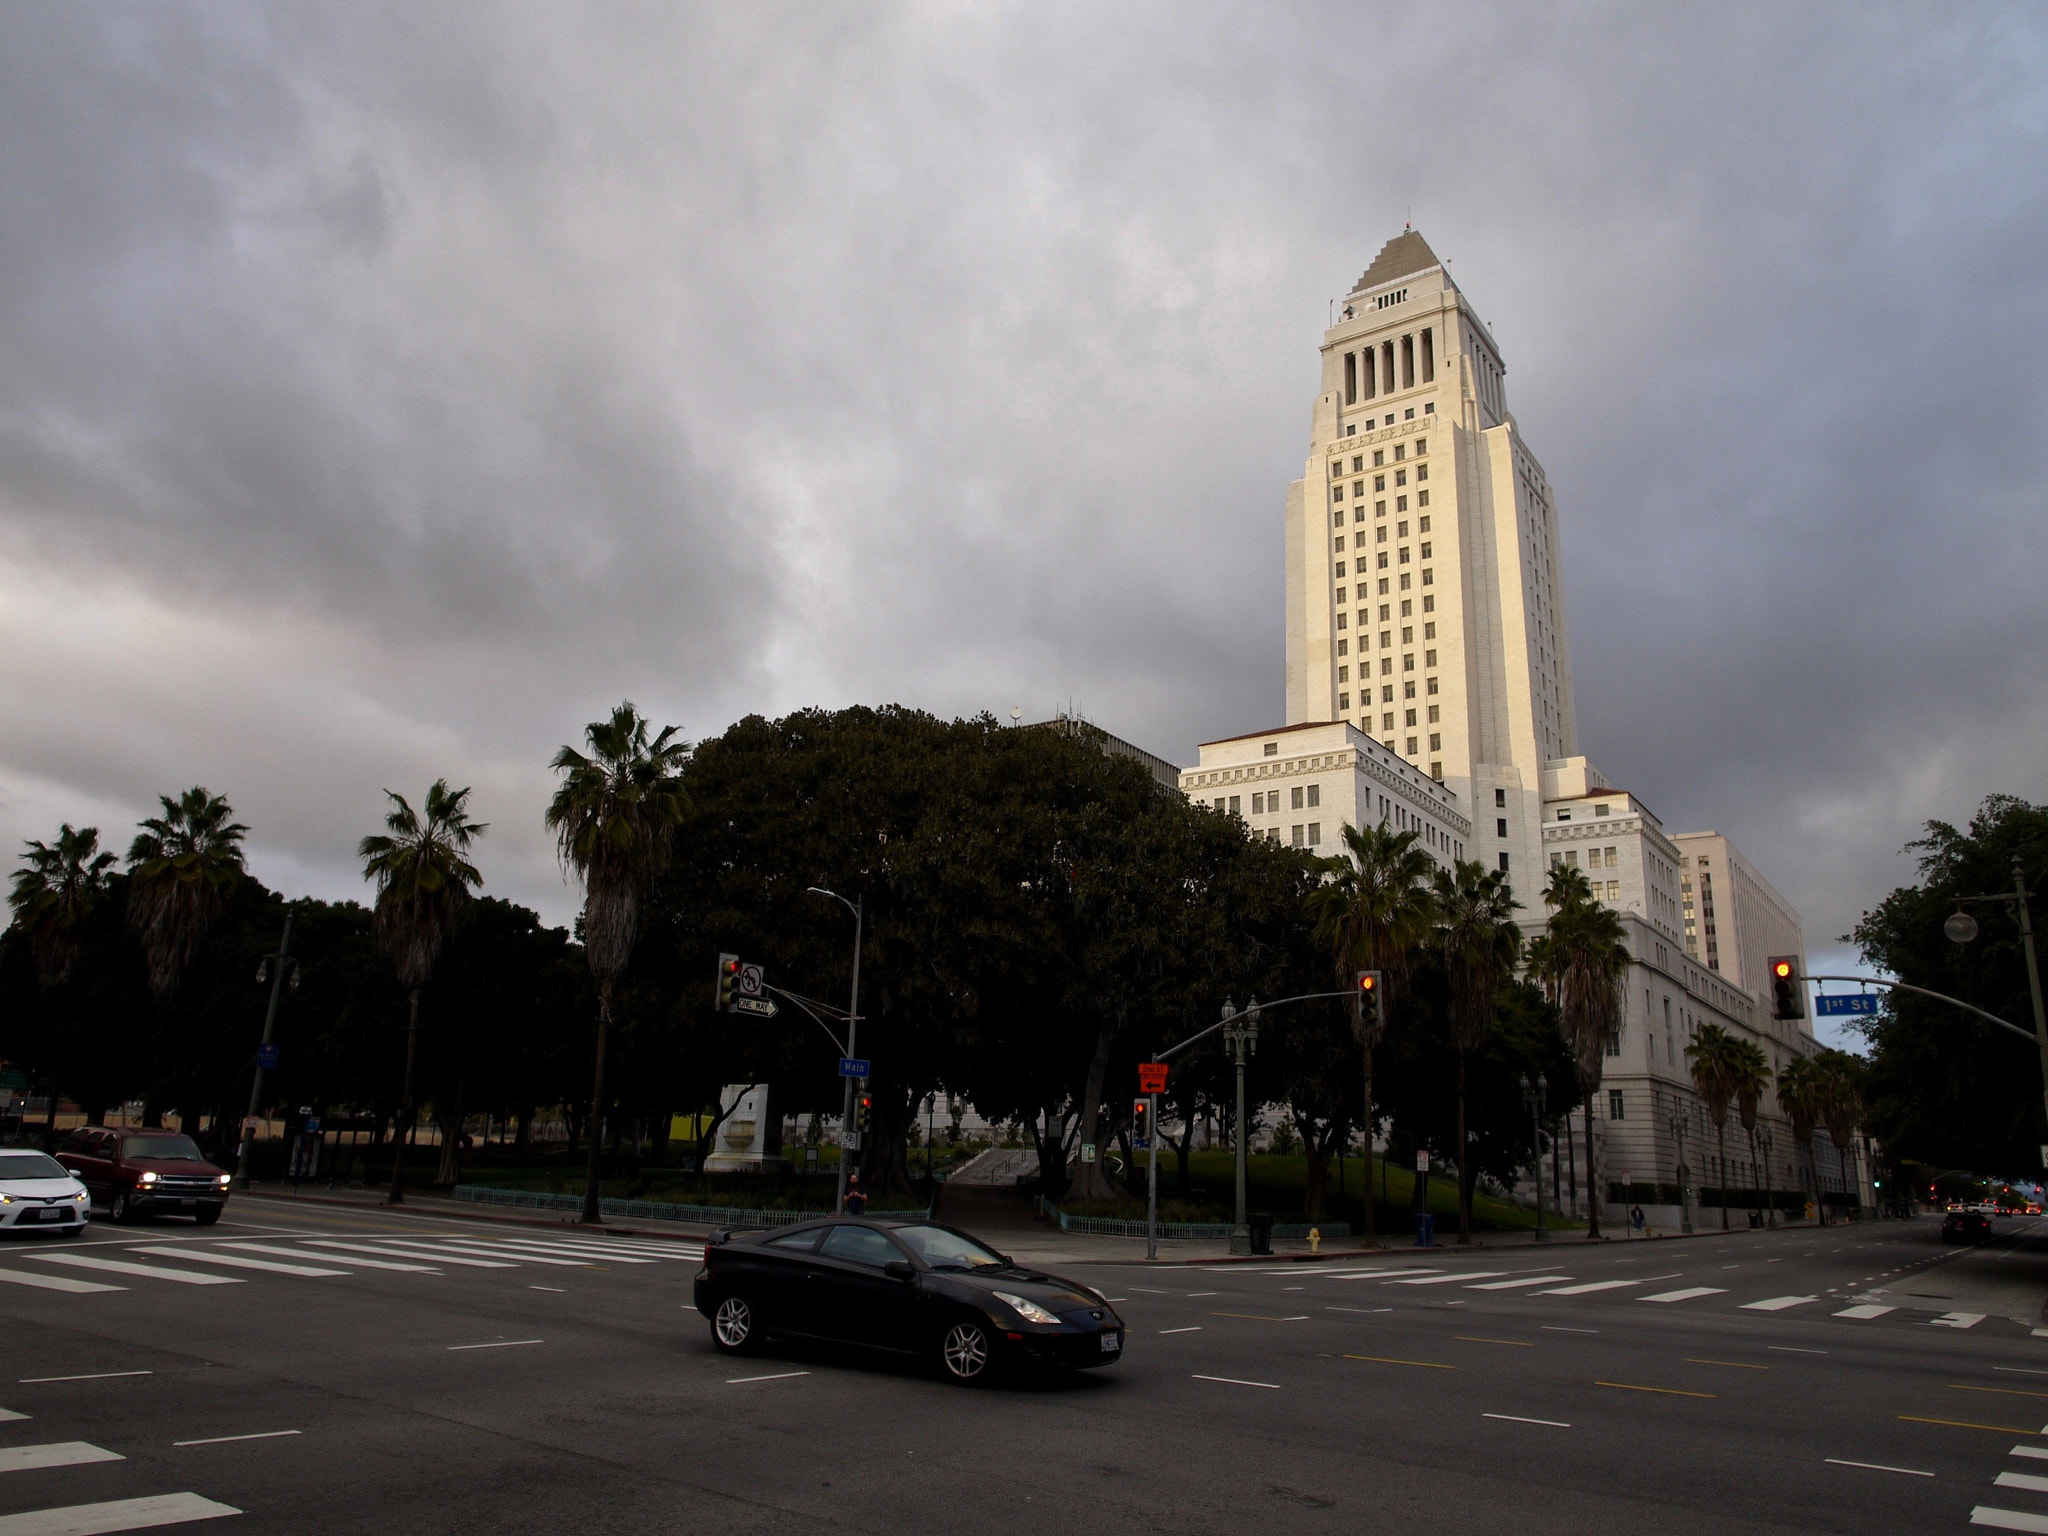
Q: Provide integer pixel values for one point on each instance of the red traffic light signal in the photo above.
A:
(863, 1108)
(728, 981)
(1788, 989)
(1368, 983)
(1141, 1123)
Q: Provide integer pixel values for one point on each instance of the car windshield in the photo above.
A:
(31, 1165)
(161, 1146)
(948, 1250)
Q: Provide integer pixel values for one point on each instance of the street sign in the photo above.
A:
(1422, 1162)
(1087, 1151)
(266, 1055)
(853, 1066)
(750, 981)
(1151, 1077)
(850, 1140)
(1848, 1003)
(761, 1007)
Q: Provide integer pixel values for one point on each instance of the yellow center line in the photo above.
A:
(1433, 1365)
(1257, 1317)
(1667, 1391)
(1957, 1386)
(2003, 1429)
(1475, 1339)
(1739, 1365)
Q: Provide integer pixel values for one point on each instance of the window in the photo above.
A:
(1297, 797)
(1407, 634)
(1387, 720)
(1429, 658)
(1387, 611)
(1336, 468)
(1614, 890)
(1272, 749)
(1336, 493)
(1410, 717)
(1219, 802)
(1343, 674)
(1503, 861)
(1404, 554)
(1343, 701)
(1599, 810)
(1259, 804)
(1380, 536)
(1429, 633)
(1436, 741)
(1379, 482)
(1400, 503)
(802, 1242)
(1340, 621)
(1421, 473)
(1614, 1041)
(1381, 563)
(860, 1245)
(1614, 858)
(1432, 687)
(1429, 407)
(1614, 1105)
(1383, 583)
(1411, 747)
(1500, 826)
(1379, 457)
(1357, 489)
(1425, 549)
(1315, 833)
(1407, 364)
(1429, 605)
(1387, 694)
(1571, 857)
(1386, 667)
(1400, 477)
(1428, 575)
(1343, 647)
(1408, 690)
(1315, 796)
(1500, 797)
(1351, 378)
(1379, 509)
(1423, 525)
(1422, 498)
(1408, 662)
(1233, 805)
(1298, 830)
(1358, 514)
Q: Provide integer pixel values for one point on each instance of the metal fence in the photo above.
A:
(649, 1210)
(1103, 1226)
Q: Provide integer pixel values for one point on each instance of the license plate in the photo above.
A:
(1112, 1343)
(50, 1213)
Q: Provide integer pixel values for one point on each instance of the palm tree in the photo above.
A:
(424, 880)
(1475, 921)
(1372, 912)
(1841, 1102)
(613, 818)
(54, 894)
(182, 867)
(1715, 1057)
(1750, 1071)
(1582, 959)
(1802, 1093)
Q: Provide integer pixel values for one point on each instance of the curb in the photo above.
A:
(458, 1212)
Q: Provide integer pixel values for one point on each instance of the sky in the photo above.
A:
(387, 391)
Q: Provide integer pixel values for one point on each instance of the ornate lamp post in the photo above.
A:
(1681, 1122)
(1763, 1140)
(1533, 1097)
(1241, 1039)
(280, 970)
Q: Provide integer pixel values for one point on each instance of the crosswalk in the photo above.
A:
(1557, 1283)
(1999, 1518)
(113, 1267)
(106, 1517)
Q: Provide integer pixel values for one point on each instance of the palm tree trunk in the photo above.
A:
(412, 1037)
(1592, 1193)
(1464, 1163)
(1371, 1227)
(1721, 1144)
(451, 1137)
(604, 1026)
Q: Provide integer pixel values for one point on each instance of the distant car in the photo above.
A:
(911, 1287)
(38, 1193)
(145, 1173)
(1965, 1227)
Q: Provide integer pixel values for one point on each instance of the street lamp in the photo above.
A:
(1961, 928)
(852, 1026)
(1681, 1122)
(1533, 1096)
(279, 970)
(1763, 1140)
(1241, 1039)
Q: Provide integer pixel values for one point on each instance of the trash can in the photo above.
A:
(1425, 1230)
(1262, 1232)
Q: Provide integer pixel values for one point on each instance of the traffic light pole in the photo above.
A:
(1152, 1177)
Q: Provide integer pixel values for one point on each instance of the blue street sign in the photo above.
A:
(266, 1055)
(852, 1066)
(1848, 1003)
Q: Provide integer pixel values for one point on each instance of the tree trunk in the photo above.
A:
(589, 1212)
(1464, 1163)
(1371, 1224)
(1090, 1182)
(1571, 1152)
(1316, 1152)
(1721, 1153)
(522, 1138)
(1592, 1193)
(451, 1139)
(402, 1124)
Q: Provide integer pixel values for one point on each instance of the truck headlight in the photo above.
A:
(149, 1178)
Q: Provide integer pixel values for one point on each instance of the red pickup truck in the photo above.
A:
(140, 1173)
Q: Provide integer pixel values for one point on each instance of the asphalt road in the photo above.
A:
(485, 1377)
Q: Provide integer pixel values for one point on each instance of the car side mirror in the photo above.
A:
(897, 1269)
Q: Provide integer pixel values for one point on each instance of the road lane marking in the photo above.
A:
(1876, 1466)
(1374, 1274)
(1793, 1349)
(2033, 1451)
(1738, 1365)
(555, 1288)
(498, 1344)
(1865, 1312)
(2007, 1519)
(148, 1271)
(2018, 1370)
(1512, 1285)
(1956, 1320)
(115, 1515)
(1149, 1291)
(1204, 1293)
(1777, 1303)
(1558, 1328)
(56, 1282)
(2003, 1429)
(573, 1250)
(1434, 1365)
(1516, 1418)
(1473, 1338)
(1228, 1381)
(262, 1434)
(407, 1253)
(1627, 1386)
(456, 1245)
(9, 1416)
(1469, 1274)
(235, 1261)
(30, 1381)
(300, 1253)
(60, 1453)
(1362, 1311)
(2026, 1480)
(740, 1381)
(1588, 1289)
(1688, 1294)
(1191, 1328)
(1956, 1386)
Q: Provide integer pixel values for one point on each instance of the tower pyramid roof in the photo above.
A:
(1404, 255)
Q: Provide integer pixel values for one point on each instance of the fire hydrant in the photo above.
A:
(1315, 1239)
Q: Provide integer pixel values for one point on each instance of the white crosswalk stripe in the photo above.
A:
(1375, 1274)
(1515, 1285)
(114, 1516)
(1956, 1320)
(147, 1271)
(2008, 1519)
(61, 1453)
(2026, 1480)
(1777, 1303)
(1589, 1288)
(1865, 1313)
(55, 1282)
(1475, 1274)
(390, 1251)
(573, 1250)
(234, 1261)
(1689, 1293)
(454, 1245)
(353, 1263)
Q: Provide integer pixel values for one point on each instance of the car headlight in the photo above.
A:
(149, 1178)
(81, 1195)
(225, 1180)
(6, 1199)
(1030, 1311)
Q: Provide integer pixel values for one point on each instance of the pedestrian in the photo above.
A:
(1637, 1221)
(856, 1197)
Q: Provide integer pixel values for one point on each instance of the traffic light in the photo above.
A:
(1141, 1124)
(728, 981)
(863, 1112)
(1788, 991)
(1371, 993)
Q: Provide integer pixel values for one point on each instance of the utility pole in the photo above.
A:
(274, 968)
(1241, 1036)
(852, 1045)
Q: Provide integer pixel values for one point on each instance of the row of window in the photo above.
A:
(1385, 586)
(1379, 483)
(1374, 368)
(1364, 670)
(1305, 797)
(1379, 508)
(1380, 537)
(1386, 613)
(1428, 409)
(1425, 551)
(1596, 858)
(1379, 456)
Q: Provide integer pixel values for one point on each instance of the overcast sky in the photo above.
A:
(387, 391)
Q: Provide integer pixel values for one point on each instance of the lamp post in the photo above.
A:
(1763, 1140)
(1681, 1122)
(1533, 1095)
(1241, 1039)
(274, 969)
(852, 1025)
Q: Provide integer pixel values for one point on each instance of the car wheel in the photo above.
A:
(967, 1352)
(734, 1327)
(120, 1208)
(207, 1218)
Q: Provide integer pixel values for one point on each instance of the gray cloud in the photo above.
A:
(384, 391)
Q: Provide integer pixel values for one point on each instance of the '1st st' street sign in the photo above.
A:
(1848, 1004)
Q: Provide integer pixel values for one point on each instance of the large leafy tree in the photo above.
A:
(614, 817)
(1371, 914)
(182, 867)
(1581, 960)
(1475, 926)
(424, 879)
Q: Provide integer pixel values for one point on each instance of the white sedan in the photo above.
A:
(38, 1193)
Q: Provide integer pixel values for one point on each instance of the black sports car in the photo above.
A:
(910, 1286)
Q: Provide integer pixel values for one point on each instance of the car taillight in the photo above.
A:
(707, 1253)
